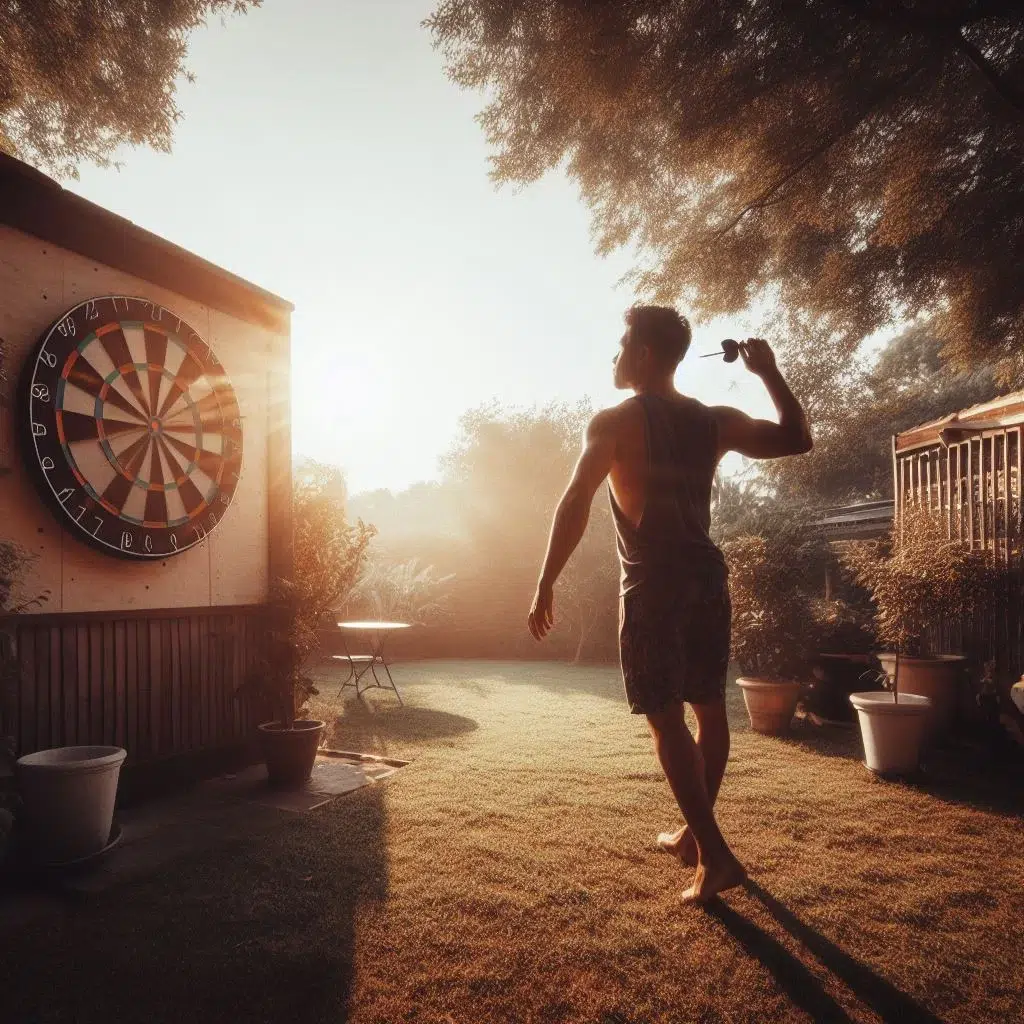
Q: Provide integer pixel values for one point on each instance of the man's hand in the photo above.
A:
(758, 356)
(541, 617)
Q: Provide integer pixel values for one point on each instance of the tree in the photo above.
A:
(904, 386)
(329, 555)
(857, 160)
(77, 80)
(509, 469)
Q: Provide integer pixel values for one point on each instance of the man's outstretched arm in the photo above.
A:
(762, 439)
(572, 514)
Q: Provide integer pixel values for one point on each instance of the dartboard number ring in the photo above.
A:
(131, 427)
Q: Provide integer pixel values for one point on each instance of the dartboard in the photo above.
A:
(132, 428)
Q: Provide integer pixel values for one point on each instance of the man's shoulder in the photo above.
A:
(616, 417)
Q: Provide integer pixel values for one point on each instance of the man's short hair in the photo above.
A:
(662, 329)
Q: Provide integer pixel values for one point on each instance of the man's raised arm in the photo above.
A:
(763, 439)
(572, 514)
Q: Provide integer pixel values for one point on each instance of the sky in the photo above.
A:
(324, 155)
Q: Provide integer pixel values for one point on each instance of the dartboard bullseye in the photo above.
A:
(132, 427)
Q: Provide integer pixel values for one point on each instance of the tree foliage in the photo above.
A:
(904, 386)
(79, 79)
(509, 468)
(328, 554)
(402, 591)
(918, 578)
(859, 160)
(772, 579)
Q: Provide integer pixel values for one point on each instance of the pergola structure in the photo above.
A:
(968, 466)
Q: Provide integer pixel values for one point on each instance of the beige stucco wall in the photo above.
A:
(39, 281)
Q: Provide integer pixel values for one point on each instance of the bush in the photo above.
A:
(770, 581)
(919, 578)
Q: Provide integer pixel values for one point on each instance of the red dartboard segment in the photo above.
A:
(131, 427)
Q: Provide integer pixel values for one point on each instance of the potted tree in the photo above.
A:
(280, 687)
(328, 557)
(771, 623)
(918, 578)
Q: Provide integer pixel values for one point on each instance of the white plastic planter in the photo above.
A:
(892, 732)
(770, 704)
(68, 798)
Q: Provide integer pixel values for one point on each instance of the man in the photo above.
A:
(660, 450)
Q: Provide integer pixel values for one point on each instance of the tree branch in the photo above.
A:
(768, 196)
(948, 30)
(991, 75)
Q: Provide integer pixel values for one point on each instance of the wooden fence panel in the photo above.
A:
(157, 683)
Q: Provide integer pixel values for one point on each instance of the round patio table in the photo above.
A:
(359, 664)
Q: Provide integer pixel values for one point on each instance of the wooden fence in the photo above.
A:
(156, 682)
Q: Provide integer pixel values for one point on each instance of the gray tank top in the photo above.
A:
(671, 543)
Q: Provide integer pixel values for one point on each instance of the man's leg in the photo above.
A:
(684, 768)
(713, 744)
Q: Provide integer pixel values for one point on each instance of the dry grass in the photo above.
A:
(509, 874)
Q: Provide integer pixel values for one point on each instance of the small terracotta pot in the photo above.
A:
(290, 753)
(770, 703)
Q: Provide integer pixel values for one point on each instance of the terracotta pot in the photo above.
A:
(939, 679)
(290, 753)
(770, 703)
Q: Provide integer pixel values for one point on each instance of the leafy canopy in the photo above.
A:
(79, 79)
(859, 160)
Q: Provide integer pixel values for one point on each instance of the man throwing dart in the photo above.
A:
(660, 450)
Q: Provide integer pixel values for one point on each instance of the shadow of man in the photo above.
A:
(799, 983)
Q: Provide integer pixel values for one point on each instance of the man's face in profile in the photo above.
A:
(627, 360)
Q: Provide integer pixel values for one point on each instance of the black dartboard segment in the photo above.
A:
(132, 428)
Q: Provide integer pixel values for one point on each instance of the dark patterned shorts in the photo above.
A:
(674, 640)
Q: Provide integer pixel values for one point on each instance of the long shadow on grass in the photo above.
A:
(827, 740)
(371, 727)
(259, 930)
(870, 988)
(965, 778)
(799, 983)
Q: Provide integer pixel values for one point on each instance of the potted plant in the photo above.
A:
(918, 578)
(328, 556)
(280, 687)
(843, 657)
(771, 623)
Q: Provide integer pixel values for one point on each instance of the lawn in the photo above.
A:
(509, 873)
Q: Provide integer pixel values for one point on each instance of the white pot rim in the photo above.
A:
(73, 759)
(905, 658)
(880, 702)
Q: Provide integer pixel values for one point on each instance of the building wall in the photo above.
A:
(38, 282)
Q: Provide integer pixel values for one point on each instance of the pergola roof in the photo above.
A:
(998, 414)
(862, 521)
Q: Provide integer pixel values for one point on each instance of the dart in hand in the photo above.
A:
(730, 351)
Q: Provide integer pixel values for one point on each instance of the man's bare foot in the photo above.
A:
(713, 878)
(680, 844)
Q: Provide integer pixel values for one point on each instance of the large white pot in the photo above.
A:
(892, 732)
(68, 798)
(770, 703)
(939, 679)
